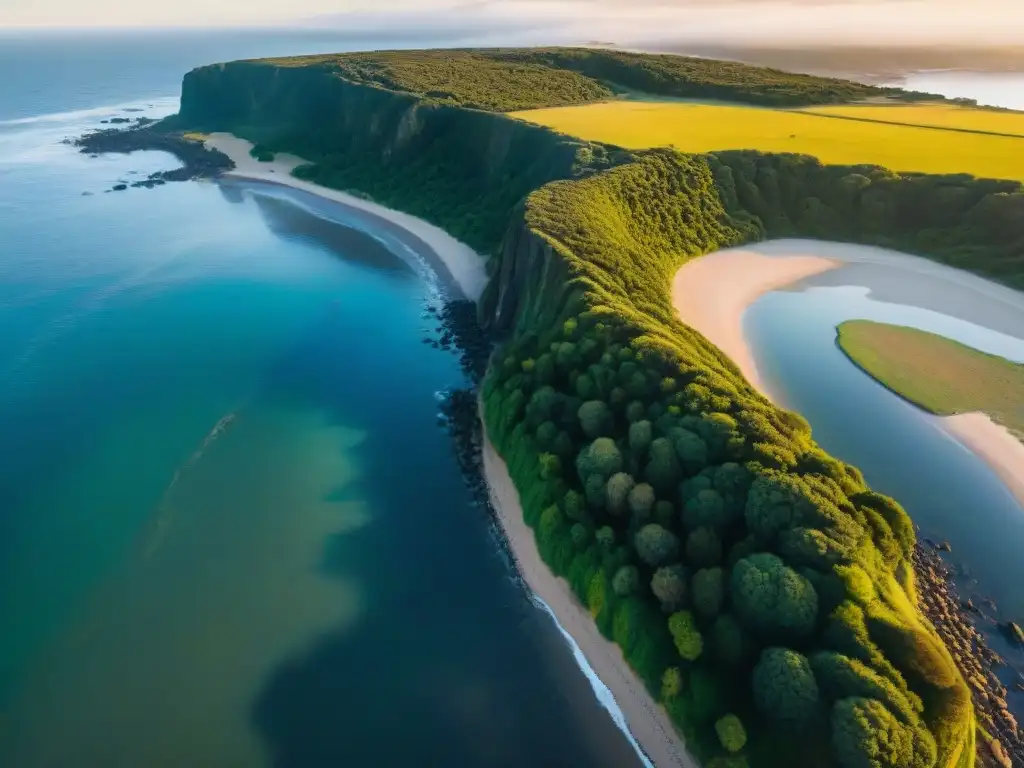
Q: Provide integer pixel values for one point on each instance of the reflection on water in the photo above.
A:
(903, 452)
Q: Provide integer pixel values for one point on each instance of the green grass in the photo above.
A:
(942, 376)
(936, 145)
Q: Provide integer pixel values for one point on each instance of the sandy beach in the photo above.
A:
(465, 266)
(992, 442)
(712, 293)
(647, 721)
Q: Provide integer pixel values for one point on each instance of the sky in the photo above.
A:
(848, 21)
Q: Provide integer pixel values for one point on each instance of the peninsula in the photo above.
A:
(762, 595)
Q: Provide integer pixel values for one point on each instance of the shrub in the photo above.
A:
(671, 684)
(656, 545)
(605, 537)
(575, 506)
(550, 466)
(731, 734)
(641, 502)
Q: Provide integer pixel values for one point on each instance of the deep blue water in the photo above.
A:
(231, 530)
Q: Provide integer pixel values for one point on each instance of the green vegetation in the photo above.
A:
(936, 373)
(505, 80)
(741, 569)
(261, 153)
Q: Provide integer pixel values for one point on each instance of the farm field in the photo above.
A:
(937, 374)
(995, 121)
(698, 127)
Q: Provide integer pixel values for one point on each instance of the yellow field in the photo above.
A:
(935, 115)
(706, 128)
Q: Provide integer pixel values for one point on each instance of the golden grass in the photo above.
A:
(932, 115)
(707, 128)
(194, 136)
(935, 373)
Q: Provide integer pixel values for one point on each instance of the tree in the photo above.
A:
(617, 492)
(785, 691)
(731, 734)
(605, 537)
(671, 684)
(685, 635)
(640, 436)
(656, 545)
(546, 435)
(594, 488)
(772, 599)
(867, 735)
(602, 457)
(626, 581)
(575, 506)
(841, 677)
(580, 536)
(703, 548)
(691, 450)
(635, 411)
(550, 466)
(663, 469)
(669, 586)
(641, 502)
(708, 591)
(664, 513)
(707, 508)
(595, 419)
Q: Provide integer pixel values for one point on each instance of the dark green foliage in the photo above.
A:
(635, 412)
(707, 508)
(605, 536)
(685, 635)
(641, 502)
(708, 593)
(703, 548)
(626, 581)
(640, 436)
(663, 470)
(602, 457)
(840, 677)
(733, 648)
(671, 684)
(771, 599)
(575, 506)
(785, 690)
(596, 419)
(866, 735)
(617, 493)
(664, 513)
(580, 535)
(596, 492)
(691, 450)
(731, 733)
(550, 466)
(656, 545)
(670, 587)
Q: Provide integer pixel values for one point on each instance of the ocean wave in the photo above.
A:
(148, 105)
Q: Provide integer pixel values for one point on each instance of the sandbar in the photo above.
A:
(712, 293)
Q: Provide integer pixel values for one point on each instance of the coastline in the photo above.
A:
(463, 264)
(646, 724)
(711, 295)
(646, 721)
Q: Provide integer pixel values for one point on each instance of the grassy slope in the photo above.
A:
(937, 374)
(878, 141)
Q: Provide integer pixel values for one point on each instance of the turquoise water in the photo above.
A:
(231, 530)
(949, 492)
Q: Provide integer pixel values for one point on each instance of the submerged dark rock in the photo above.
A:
(198, 161)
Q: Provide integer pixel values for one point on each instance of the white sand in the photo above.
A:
(648, 723)
(711, 294)
(463, 263)
(1003, 452)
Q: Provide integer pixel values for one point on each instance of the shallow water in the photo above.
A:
(949, 492)
(231, 530)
